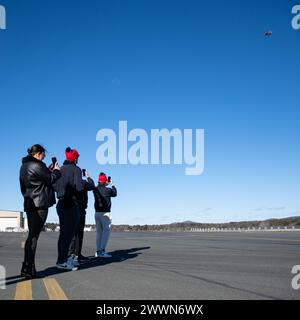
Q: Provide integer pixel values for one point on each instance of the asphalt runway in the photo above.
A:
(161, 265)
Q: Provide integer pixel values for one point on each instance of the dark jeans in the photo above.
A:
(36, 220)
(68, 222)
(76, 243)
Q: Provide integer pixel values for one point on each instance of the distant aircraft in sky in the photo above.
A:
(268, 34)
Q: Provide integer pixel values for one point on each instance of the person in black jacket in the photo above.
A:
(36, 182)
(103, 217)
(69, 191)
(76, 243)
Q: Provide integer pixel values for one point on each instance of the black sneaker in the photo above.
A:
(29, 272)
(24, 269)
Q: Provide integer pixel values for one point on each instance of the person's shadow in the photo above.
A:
(117, 256)
(93, 262)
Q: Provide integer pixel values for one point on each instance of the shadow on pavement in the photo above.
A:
(93, 262)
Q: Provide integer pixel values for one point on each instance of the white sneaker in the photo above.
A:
(98, 254)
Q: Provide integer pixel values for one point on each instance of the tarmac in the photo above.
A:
(160, 266)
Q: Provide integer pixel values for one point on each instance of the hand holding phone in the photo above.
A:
(56, 166)
(53, 165)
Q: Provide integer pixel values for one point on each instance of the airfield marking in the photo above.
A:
(54, 290)
(24, 290)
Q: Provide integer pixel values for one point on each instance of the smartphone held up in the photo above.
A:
(54, 164)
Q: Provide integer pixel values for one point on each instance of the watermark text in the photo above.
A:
(2, 18)
(296, 18)
(161, 146)
(2, 278)
(296, 278)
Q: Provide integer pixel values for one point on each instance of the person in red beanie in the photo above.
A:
(77, 241)
(69, 190)
(103, 217)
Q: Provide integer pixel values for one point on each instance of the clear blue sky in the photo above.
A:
(70, 68)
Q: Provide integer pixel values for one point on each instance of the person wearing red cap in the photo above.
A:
(69, 190)
(103, 218)
(72, 155)
(77, 241)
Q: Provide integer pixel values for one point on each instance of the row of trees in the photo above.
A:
(188, 226)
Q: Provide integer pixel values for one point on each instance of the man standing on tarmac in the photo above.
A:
(76, 243)
(69, 192)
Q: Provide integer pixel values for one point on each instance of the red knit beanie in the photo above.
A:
(102, 178)
(71, 154)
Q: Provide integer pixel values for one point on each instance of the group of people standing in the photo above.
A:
(39, 184)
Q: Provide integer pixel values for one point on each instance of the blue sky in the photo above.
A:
(69, 69)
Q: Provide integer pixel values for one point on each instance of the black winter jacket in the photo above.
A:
(102, 195)
(36, 184)
(70, 187)
(88, 185)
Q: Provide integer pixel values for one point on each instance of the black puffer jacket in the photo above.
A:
(36, 184)
(88, 185)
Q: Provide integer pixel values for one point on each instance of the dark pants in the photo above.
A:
(76, 243)
(36, 220)
(68, 222)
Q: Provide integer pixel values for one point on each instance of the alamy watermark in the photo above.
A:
(296, 18)
(2, 278)
(296, 278)
(2, 18)
(152, 149)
